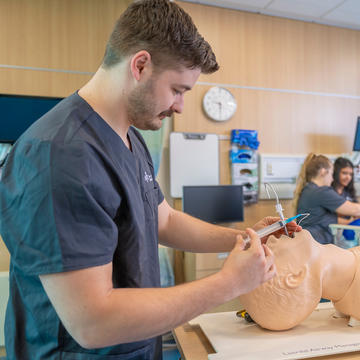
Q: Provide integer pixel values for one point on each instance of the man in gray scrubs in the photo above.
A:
(82, 213)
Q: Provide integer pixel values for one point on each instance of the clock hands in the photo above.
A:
(219, 104)
(220, 109)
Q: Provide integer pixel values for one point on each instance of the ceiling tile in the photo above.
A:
(312, 8)
(250, 5)
(344, 13)
(348, 12)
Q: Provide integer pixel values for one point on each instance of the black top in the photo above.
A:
(347, 196)
(321, 202)
(73, 196)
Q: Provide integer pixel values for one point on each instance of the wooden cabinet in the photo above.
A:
(197, 266)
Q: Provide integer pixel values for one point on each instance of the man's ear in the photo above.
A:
(140, 64)
(294, 280)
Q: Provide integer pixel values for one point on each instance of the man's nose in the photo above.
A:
(178, 104)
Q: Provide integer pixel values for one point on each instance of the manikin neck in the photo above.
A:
(339, 267)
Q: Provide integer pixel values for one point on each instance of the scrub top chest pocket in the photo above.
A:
(149, 191)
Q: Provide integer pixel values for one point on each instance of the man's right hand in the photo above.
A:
(245, 270)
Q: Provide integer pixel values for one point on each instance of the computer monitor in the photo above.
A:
(214, 203)
(356, 146)
(18, 112)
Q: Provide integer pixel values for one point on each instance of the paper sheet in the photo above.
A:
(320, 334)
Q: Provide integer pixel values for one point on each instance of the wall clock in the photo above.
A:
(219, 104)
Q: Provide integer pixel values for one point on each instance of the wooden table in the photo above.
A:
(194, 345)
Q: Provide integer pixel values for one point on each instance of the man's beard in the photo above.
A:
(141, 108)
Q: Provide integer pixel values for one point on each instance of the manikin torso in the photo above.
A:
(349, 304)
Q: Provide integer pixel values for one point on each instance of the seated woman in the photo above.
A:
(314, 195)
(343, 183)
(306, 271)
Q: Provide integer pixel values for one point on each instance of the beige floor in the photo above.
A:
(2, 351)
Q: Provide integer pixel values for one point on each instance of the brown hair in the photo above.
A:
(309, 170)
(339, 164)
(163, 29)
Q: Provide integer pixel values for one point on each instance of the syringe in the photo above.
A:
(272, 228)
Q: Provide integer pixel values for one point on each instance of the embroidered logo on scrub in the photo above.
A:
(148, 177)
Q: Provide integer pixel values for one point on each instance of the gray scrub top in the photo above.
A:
(321, 202)
(346, 195)
(73, 196)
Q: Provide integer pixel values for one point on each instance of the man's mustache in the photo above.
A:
(167, 113)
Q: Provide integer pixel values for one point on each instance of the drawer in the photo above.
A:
(209, 261)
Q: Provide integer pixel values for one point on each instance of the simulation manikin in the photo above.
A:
(306, 272)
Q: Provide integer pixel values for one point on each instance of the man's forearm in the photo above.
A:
(130, 315)
(187, 233)
(97, 315)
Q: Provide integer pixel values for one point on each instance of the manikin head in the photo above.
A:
(293, 294)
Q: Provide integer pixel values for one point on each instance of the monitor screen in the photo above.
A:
(18, 112)
(356, 146)
(214, 203)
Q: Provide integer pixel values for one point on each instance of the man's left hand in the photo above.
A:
(268, 220)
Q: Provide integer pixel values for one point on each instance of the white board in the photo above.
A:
(194, 160)
(320, 334)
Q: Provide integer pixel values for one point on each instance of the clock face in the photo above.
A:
(219, 104)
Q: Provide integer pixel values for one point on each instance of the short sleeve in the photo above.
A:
(55, 216)
(329, 198)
